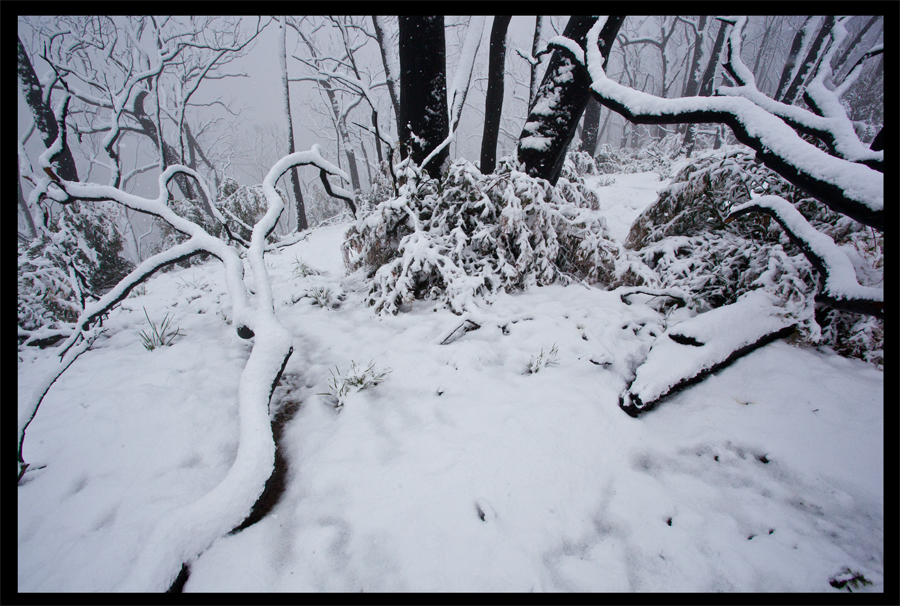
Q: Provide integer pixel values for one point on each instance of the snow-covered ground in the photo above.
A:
(459, 471)
(626, 198)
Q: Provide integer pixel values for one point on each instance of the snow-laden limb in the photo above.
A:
(691, 350)
(839, 287)
(187, 531)
(567, 44)
(831, 125)
(851, 189)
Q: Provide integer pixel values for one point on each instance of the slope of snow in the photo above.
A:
(459, 471)
(626, 198)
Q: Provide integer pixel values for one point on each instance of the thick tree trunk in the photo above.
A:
(43, 114)
(295, 178)
(692, 82)
(493, 104)
(560, 101)
(424, 123)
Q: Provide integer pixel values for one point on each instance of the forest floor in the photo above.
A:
(459, 470)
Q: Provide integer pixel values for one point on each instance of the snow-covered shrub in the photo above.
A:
(381, 189)
(241, 205)
(682, 241)
(74, 257)
(469, 235)
(356, 378)
(578, 164)
(657, 155)
(701, 194)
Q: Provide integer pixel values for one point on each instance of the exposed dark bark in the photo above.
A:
(549, 131)
(535, 48)
(878, 143)
(856, 40)
(692, 82)
(591, 128)
(170, 155)
(23, 206)
(424, 123)
(493, 104)
(635, 406)
(43, 116)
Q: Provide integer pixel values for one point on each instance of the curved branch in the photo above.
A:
(839, 287)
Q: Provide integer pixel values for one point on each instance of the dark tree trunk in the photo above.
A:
(692, 83)
(560, 101)
(793, 91)
(493, 104)
(692, 76)
(878, 142)
(591, 128)
(791, 60)
(424, 123)
(43, 116)
(850, 48)
(535, 47)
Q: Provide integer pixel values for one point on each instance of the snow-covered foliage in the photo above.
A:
(656, 155)
(684, 241)
(76, 256)
(471, 235)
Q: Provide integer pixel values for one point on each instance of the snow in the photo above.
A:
(626, 198)
(704, 341)
(458, 472)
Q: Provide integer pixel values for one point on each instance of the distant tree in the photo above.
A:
(295, 177)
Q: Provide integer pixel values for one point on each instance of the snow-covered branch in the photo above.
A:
(848, 188)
